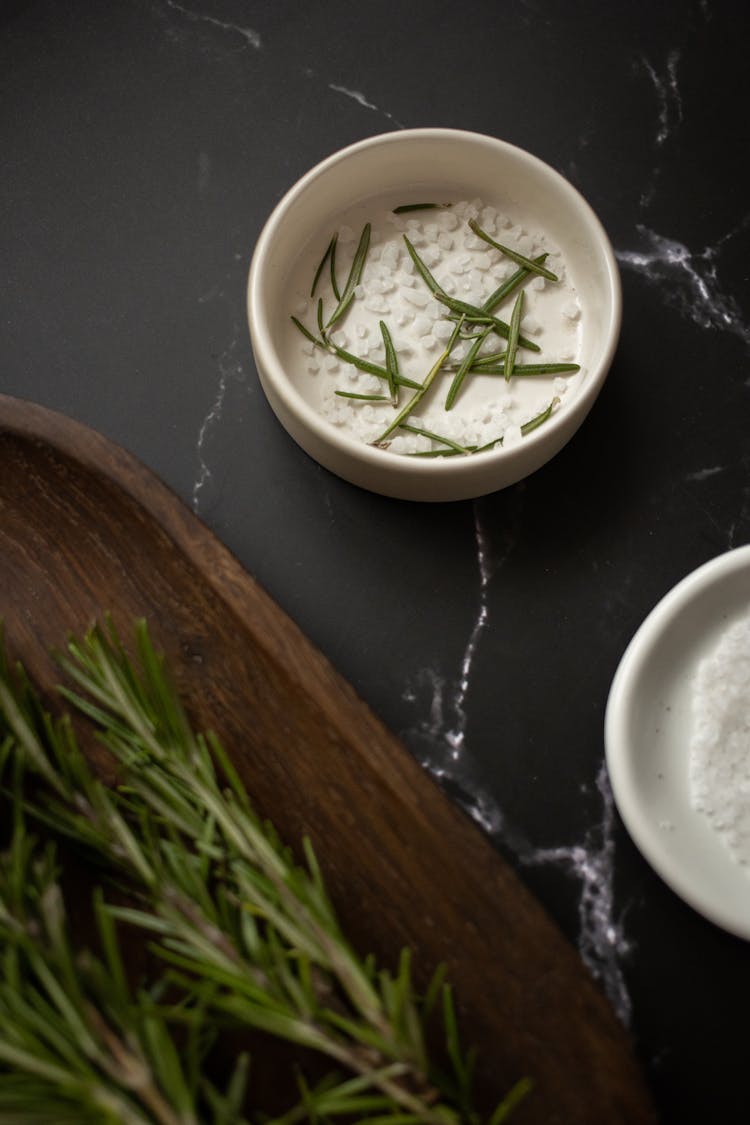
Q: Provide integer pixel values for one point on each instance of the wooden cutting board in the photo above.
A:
(85, 528)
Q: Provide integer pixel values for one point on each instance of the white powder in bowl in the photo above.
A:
(720, 742)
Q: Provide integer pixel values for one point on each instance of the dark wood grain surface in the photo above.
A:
(84, 529)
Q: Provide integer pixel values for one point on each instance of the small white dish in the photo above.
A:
(647, 735)
(443, 164)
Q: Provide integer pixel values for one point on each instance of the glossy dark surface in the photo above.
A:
(144, 144)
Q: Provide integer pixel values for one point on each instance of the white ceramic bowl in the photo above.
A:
(647, 733)
(437, 164)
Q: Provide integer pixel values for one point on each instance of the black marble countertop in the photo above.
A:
(144, 142)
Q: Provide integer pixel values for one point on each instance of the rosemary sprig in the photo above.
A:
(248, 937)
(528, 263)
(352, 281)
(75, 1043)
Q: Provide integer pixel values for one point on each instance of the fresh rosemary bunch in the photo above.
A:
(244, 936)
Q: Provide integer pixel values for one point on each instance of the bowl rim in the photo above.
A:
(269, 362)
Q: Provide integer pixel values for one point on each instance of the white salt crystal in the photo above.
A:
(537, 284)
(530, 326)
(375, 303)
(450, 220)
(512, 436)
(571, 310)
(422, 325)
(429, 342)
(719, 769)
(418, 297)
(339, 338)
(361, 329)
(442, 330)
(444, 240)
(431, 256)
(332, 363)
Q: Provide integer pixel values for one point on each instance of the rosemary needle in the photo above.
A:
(454, 445)
(424, 388)
(330, 249)
(521, 259)
(465, 367)
(355, 360)
(334, 283)
(391, 361)
(364, 398)
(527, 427)
(509, 286)
(515, 323)
(404, 207)
(352, 281)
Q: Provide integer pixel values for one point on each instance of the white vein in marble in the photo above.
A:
(250, 36)
(668, 96)
(601, 937)
(442, 736)
(704, 474)
(688, 280)
(358, 97)
(230, 369)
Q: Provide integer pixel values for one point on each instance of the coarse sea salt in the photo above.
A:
(390, 291)
(719, 771)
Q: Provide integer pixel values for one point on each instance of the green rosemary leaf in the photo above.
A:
(391, 362)
(527, 427)
(334, 282)
(515, 322)
(528, 263)
(321, 266)
(352, 281)
(511, 1100)
(306, 332)
(466, 365)
(434, 437)
(418, 395)
(319, 316)
(364, 398)
(510, 285)
(406, 207)
(356, 361)
(524, 370)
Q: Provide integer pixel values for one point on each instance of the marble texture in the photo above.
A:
(144, 148)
